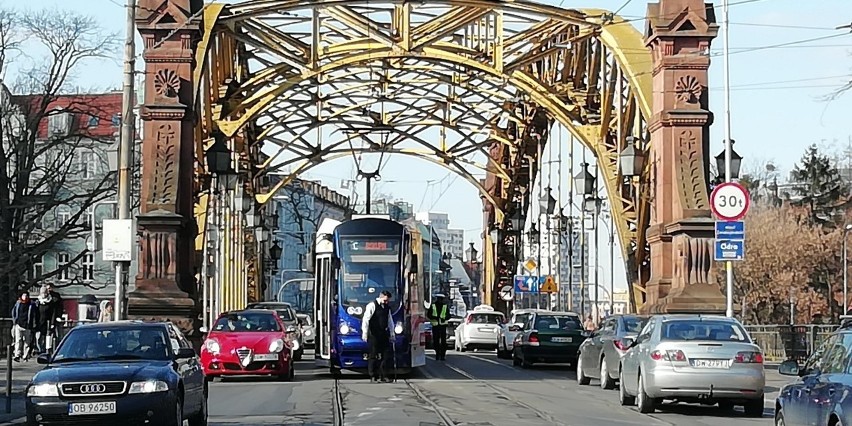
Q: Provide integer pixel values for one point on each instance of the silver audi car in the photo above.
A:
(693, 359)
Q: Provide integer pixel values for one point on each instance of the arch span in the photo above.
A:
(497, 74)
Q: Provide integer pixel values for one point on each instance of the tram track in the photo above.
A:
(337, 404)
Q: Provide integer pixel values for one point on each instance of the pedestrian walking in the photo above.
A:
(106, 311)
(24, 323)
(590, 325)
(377, 330)
(439, 315)
(49, 314)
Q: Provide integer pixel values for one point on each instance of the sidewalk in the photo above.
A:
(22, 372)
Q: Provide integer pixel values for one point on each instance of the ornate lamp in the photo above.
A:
(736, 162)
(631, 161)
(584, 182)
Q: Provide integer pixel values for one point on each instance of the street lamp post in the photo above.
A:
(218, 160)
(729, 161)
(548, 205)
(631, 161)
(584, 183)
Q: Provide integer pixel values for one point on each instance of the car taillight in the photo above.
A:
(533, 339)
(749, 358)
(620, 345)
(668, 355)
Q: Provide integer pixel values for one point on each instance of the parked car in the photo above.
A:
(508, 331)
(479, 330)
(452, 324)
(308, 331)
(250, 342)
(600, 354)
(693, 359)
(548, 337)
(119, 372)
(291, 322)
(820, 395)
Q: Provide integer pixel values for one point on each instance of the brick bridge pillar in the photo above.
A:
(681, 231)
(165, 284)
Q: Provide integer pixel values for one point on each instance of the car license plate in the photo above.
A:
(83, 408)
(710, 363)
(562, 340)
(266, 357)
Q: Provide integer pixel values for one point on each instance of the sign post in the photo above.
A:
(506, 293)
(729, 202)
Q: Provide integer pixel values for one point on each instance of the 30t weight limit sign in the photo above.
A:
(729, 201)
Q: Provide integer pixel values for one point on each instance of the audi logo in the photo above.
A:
(93, 388)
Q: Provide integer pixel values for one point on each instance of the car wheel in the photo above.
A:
(515, 360)
(754, 408)
(726, 405)
(779, 418)
(581, 375)
(623, 397)
(200, 418)
(178, 414)
(606, 381)
(644, 402)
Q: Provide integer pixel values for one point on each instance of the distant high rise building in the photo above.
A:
(398, 210)
(452, 240)
(455, 243)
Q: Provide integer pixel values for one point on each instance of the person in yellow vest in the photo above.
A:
(439, 314)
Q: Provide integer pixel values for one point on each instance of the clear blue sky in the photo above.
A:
(776, 94)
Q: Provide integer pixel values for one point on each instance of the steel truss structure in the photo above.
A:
(311, 81)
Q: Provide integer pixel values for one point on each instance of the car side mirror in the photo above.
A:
(203, 330)
(184, 353)
(43, 359)
(790, 368)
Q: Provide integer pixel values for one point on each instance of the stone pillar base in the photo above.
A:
(692, 299)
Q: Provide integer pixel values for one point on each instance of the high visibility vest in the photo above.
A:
(439, 319)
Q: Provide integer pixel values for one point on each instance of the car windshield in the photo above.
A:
(369, 267)
(557, 322)
(486, 319)
(247, 322)
(282, 310)
(89, 344)
(716, 331)
(634, 324)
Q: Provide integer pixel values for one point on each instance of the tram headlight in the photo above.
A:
(345, 329)
(398, 328)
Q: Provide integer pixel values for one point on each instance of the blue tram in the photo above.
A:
(354, 262)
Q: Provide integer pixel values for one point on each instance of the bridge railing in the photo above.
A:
(783, 342)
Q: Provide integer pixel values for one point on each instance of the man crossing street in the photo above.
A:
(377, 329)
(439, 315)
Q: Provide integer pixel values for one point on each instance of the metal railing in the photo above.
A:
(783, 342)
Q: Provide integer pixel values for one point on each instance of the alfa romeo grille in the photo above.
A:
(92, 388)
(244, 355)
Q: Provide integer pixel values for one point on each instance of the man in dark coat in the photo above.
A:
(24, 323)
(377, 329)
(49, 313)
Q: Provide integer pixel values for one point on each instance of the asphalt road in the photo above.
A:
(467, 389)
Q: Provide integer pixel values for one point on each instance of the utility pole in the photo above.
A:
(125, 152)
(729, 266)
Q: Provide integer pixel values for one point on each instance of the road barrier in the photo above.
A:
(783, 342)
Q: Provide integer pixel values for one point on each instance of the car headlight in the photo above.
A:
(307, 332)
(345, 329)
(212, 346)
(148, 386)
(43, 389)
(398, 328)
(276, 346)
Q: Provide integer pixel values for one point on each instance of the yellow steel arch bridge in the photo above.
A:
(287, 85)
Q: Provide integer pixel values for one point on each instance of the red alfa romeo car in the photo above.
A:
(250, 342)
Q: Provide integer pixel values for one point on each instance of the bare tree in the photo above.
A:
(46, 182)
(306, 212)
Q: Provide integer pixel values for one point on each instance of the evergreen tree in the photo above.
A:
(819, 184)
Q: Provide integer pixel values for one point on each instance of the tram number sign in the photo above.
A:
(729, 201)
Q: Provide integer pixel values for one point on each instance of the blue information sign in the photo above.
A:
(730, 250)
(730, 230)
(526, 284)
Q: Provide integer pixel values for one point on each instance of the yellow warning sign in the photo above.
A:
(549, 286)
(530, 265)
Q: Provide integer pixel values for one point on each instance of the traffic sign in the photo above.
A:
(730, 250)
(506, 293)
(729, 201)
(730, 230)
(548, 285)
(530, 265)
(526, 284)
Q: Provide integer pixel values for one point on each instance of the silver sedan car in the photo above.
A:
(508, 331)
(693, 359)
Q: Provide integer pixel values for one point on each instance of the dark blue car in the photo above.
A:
(822, 396)
(119, 373)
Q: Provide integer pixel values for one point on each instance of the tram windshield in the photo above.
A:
(368, 267)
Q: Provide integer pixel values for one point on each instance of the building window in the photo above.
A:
(62, 217)
(38, 266)
(94, 121)
(62, 260)
(89, 164)
(87, 217)
(116, 120)
(89, 267)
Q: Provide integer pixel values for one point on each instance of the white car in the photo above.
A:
(508, 331)
(479, 329)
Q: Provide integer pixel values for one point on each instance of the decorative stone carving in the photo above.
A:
(691, 172)
(158, 249)
(688, 89)
(163, 185)
(167, 83)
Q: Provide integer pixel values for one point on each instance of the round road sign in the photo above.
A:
(729, 201)
(506, 293)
